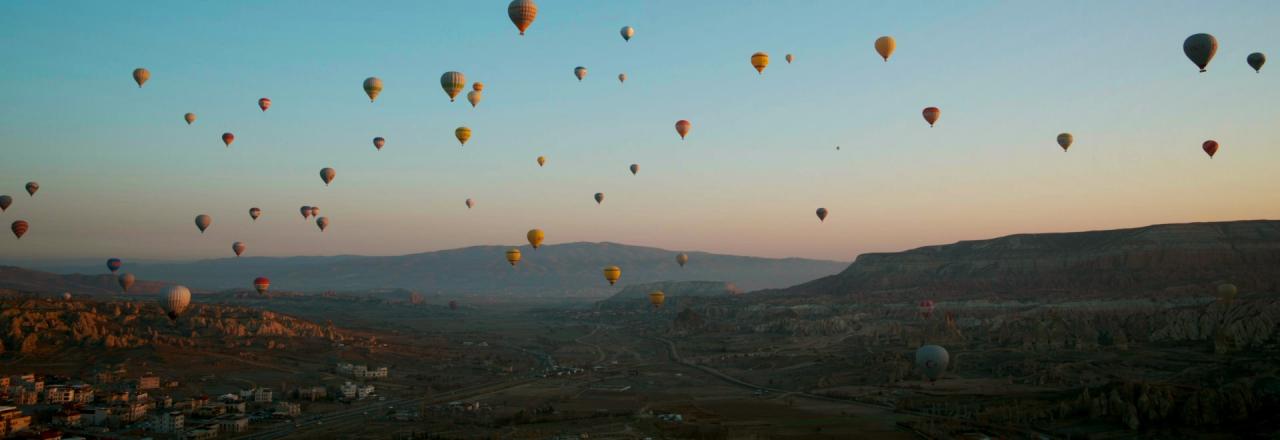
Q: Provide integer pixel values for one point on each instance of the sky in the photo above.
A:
(122, 175)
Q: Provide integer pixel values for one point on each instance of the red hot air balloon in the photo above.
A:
(264, 103)
(931, 115)
(19, 228)
(682, 127)
(1210, 147)
(926, 308)
(228, 138)
(261, 284)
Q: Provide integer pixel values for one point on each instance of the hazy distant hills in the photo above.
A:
(1161, 259)
(572, 269)
(24, 280)
(637, 295)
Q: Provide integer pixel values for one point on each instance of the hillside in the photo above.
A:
(572, 269)
(637, 295)
(1168, 259)
(25, 280)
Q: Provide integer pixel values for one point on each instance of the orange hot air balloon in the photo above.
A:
(1210, 147)
(657, 298)
(261, 284)
(612, 273)
(19, 228)
(683, 127)
(535, 237)
(542, 160)
(760, 60)
(238, 248)
(228, 138)
(885, 46)
(931, 115)
(462, 133)
(203, 221)
(189, 117)
(126, 281)
(522, 13)
(327, 175)
(513, 256)
(264, 103)
(378, 142)
(580, 72)
(141, 76)
(477, 86)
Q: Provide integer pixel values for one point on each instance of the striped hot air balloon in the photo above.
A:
(372, 87)
(176, 299)
(264, 103)
(19, 228)
(931, 115)
(522, 13)
(453, 82)
(462, 133)
(261, 284)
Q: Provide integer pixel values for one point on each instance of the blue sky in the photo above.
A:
(122, 175)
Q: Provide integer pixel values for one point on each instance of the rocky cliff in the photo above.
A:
(1174, 259)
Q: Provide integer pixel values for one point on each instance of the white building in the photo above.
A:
(262, 395)
(169, 422)
(233, 424)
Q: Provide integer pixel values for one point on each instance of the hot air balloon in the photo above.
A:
(452, 83)
(470, 203)
(599, 198)
(1227, 292)
(372, 87)
(19, 228)
(931, 115)
(453, 305)
(627, 32)
(513, 256)
(141, 75)
(238, 248)
(264, 103)
(327, 175)
(322, 222)
(682, 258)
(612, 273)
(315, 211)
(32, 187)
(125, 280)
(682, 127)
(926, 308)
(202, 222)
(113, 264)
(462, 133)
(1200, 49)
(635, 168)
(5, 202)
(378, 142)
(1256, 60)
(1065, 140)
(535, 237)
(261, 284)
(932, 361)
(176, 300)
(822, 214)
(760, 60)
(189, 117)
(542, 160)
(306, 212)
(1210, 147)
(790, 58)
(474, 98)
(657, 298)
(228, 138)
(580, 72)
(622, 78)
(522, 13)
(477, 86)
(66, 296)
(254, 213)
(885, 46)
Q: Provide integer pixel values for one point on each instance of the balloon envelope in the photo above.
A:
(372, 87)
(306, 212)
(760, 60)
(254, 213)
(1210, 147)
(453, 82)
(378, 142)
(622, 77)
(599, 198)
(657, 298)
(176, 299)
(140, 76)
(322, 222)
(125, 280)
(885, 46)
(682, 259)
(932, 361)
(238, 248)
(19, 228)
(462, 133)
(203, 221)
(327, 175)
(470, 203)
(931, 115)
(1200, 49)
(261, 284)
(822, 214)
(32, 187)
(635, 169)
(189, 117)
(264, 103)
(474, 97)
(580, 72)
(1065, 140)
(627, 32)
(522, 13)
(228, 138)
(682, 127)
(5, 202)
(535, 237)
(1227, 292)
(513, 256)
(612, 273)
(542, 160)
(1256, 60)
(113, 264)
(790, 58)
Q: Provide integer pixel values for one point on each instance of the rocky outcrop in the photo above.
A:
(1175, 259)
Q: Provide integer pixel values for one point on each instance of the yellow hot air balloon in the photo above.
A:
(513, 256)
(542, 160)
(535, 237)
(885, 46)
(140, 76)
(612, 273)
(372, 87)
(462, 133)
(760, 60)
(452, 83)
(657, 298)
(682, 258)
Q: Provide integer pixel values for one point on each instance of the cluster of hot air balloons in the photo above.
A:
(18, 227)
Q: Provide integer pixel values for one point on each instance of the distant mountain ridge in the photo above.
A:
(637, 295)
(33, 281)
(558, 270)
(1189, 258)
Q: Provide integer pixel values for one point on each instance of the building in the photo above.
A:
(95, 416)
(68, 418)
(12, 420)
(169, 422)
(204, 432)
(287, 409)
(232, 424)
(351, 391)
(312, 393)
(149, 382)
(60, 394)
(361, 371)
(262, 395)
